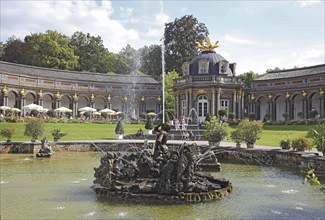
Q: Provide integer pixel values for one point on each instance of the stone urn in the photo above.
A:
(149, 131)
(250, 145)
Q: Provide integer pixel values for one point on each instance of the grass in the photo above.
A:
(271, 135)
(75, 131)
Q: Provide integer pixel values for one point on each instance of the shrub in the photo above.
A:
(301, 115)
(7, 132)
(34, 113)
(119, 129)
(51, 113)
(267, 116)
(208, 117)
(250, 130)
(222, 112)
(285, 144)
(252, 116)
(68, 114)
(236, 136)
(285, 115)
(313, 113)
(215, 131)
(34, 128)
(318, 135)
(149, 123)
(57, 134)
(301, 144)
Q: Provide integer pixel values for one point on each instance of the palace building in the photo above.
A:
(21, 85)
(208, 84)
(293, 92)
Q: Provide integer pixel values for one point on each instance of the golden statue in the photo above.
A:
(207, 46)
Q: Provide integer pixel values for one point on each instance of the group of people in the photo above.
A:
(139, 133)
(180, 124)
(188, 135)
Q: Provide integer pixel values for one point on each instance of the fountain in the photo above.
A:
(158, 173)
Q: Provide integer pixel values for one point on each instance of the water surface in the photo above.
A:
(59, 188)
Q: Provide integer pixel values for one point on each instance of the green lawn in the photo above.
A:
(271, 135)
(75, 131)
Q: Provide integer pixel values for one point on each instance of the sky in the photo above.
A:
(257, 35)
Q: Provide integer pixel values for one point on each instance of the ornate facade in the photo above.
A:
(294, 92)
(208, 84)
(21, 85)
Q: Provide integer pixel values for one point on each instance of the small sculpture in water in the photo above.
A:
(159, 173)
(46, 150)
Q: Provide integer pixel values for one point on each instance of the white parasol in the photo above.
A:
(87, 109)
(62, 109)
(33, 106)
(4, 107)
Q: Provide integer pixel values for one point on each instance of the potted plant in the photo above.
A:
(301, 144)
(7, 133)
(34, 128)
(285, 144)
(250, 131)
(236, 136)
(319, 137)
(215, 131)
(119, 129)
(57, 134)
(149, 124)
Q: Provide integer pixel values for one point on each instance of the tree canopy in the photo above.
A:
(169, 92)
(180, 40)
(247, 78)
(151, 61)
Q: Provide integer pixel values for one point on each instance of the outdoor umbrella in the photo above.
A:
(62, 109)
(108, 111)
(4, 107)
(16, 109)
(87, 109)
(152, 114)
(33, 106)
(96, 113)
(43, 110)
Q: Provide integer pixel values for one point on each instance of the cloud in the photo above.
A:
(126, 12)
(21, 18)
(306, 3)
(237, 40)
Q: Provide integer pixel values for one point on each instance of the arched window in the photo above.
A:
(202, 107)
(203, 67)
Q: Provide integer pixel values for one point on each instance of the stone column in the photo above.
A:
(40, 98)
(177, 105)
(189, 100)
(234, 100)
(187, 103)
(75, 105)
(213, 102)
(218, 92)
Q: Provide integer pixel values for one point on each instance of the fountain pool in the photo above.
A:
(59, 188)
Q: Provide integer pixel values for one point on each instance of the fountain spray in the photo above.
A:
(163, 66)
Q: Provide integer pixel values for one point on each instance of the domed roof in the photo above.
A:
(217, 64)
(210, 56)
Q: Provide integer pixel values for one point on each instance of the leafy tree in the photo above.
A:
(247, 78)
(180, 40)
(151, 61)
(17, 51)
(131, 57)
(52, 50)
(214, 130)
(7, 132)
(93, 56)
(169, 92)
(34, 128)
(222, 112)
(276, 69)
(1, 50)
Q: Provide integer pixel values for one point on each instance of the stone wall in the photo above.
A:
(303, 161)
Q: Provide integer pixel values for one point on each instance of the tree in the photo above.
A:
(93, 56)
(151, 61)
(7, 132)
(180, 40)
(52, 50)
(17, 51)
(34, 128)
(149, 123)
(169, 92)
(247, 78)
(119, 129)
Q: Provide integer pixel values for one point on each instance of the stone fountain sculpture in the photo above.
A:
(158, 173)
